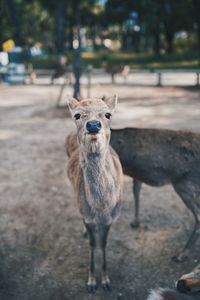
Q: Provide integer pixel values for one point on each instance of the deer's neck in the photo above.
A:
(95, 163)
(99, 179)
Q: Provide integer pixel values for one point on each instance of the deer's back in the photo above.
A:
(157, 156)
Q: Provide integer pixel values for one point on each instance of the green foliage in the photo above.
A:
(189, 60)
(26, 22)
(51, 22)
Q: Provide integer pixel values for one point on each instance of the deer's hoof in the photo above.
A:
(179, 258)
(91, 288)
(135, 225)
(105, 283)
(106, 286)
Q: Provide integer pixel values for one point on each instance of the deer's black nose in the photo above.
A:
(93, 126)
(182, 287)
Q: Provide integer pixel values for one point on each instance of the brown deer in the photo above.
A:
(187, 288)
(113, 70)
(158, 157)
(96, 174)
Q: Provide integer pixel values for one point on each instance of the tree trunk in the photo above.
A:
(14, 15)
(70, 36)
(169, 38)
(168, 25)
(77, 55)
(196, 5)
(156, 45)
(59, 31)
(93, 36)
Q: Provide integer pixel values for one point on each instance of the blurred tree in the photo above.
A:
(196, 13)
(119, 13)
(150, 21)
(164, 17)
(75, 13)
(59, 28)
(57, 12)
(6, 29)
(175, 18)
(13, 10)
(140, 24)
(25, 21)
(79, 13)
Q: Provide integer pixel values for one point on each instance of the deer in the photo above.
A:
(187, 288)
(113, 70)
(95, 172)
(158, 157)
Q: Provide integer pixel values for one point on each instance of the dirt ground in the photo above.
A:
(42, 253)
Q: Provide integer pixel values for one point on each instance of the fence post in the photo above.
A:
(198, 81)
(159, 79)
(89, 71)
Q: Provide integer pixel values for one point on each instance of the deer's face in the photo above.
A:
(190, 282)
(92, 118)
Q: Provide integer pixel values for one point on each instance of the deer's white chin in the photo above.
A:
(95, 143)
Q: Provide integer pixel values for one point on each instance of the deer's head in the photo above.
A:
(190, 282)
(92, 118)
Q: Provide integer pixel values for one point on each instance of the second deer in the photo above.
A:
(158, 157)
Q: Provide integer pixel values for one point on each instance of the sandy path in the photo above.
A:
(42, 253)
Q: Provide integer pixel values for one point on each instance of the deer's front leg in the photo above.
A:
(105, 281)
(91, 284)
(136, 192)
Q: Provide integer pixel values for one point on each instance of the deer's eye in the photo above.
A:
(77, 116)
(108, 115)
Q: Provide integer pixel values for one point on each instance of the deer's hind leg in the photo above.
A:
(103, 234)
(190, 194)
(91, 284)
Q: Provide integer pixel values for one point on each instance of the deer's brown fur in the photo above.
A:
(96, 174)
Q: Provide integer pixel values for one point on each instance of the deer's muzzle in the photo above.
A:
(93, 126)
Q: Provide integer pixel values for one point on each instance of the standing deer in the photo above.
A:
(96, 174)
(187, 288)
(158, 157)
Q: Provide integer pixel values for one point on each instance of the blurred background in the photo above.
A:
(118, 36)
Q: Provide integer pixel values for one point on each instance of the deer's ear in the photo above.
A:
(72, 103)
(111, 102)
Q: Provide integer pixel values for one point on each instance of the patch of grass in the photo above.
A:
(145, 61)
(189, 60)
